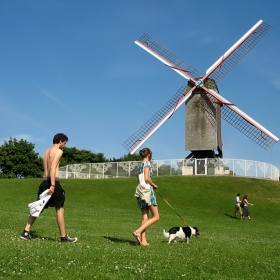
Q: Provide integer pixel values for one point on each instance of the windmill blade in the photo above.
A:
(167, 57)
(237, 52)
(146, 130)
(245, 124)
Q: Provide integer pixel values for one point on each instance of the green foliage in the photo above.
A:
(75, 156)
(18, 160)
(128, 157)
(102, 214)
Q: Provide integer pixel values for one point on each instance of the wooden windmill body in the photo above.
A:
(203, 126)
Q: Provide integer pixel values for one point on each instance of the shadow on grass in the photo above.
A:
(34, 235)
(232, 217)
(120, 240)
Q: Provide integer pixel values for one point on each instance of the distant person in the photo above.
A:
(246, 212)
(238, 206)
(51, 159)
(145, 196)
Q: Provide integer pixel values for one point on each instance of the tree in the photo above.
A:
(75, 156)
(19, 160)
(128, 157)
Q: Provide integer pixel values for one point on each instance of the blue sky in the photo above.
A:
(73, 67)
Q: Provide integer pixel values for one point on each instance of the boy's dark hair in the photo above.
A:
(59, 137)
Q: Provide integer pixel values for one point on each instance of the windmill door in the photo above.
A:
(201, 167)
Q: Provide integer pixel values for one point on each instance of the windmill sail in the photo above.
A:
(168, 58)
(146, 130)
(221, 67)
(217, 71)
(237, 52)
(245, 124)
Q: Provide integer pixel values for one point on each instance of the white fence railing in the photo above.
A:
(173, 167)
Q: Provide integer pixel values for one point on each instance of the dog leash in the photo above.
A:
(172, 207)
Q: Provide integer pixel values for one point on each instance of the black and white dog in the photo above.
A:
(181, 232)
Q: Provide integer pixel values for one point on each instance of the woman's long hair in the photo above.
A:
(145, 152)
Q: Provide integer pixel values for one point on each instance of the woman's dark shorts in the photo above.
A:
(58, 197)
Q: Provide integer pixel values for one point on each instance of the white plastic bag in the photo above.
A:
(37, 206)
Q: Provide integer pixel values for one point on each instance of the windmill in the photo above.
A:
(204, 105)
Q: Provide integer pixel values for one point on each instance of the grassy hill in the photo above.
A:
(102, 214)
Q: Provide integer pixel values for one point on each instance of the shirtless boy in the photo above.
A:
(51, 159)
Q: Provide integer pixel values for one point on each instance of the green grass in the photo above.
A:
(103, 213)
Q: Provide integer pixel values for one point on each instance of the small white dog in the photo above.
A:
(181, 232)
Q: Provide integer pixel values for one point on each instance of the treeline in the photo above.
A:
(18, 159)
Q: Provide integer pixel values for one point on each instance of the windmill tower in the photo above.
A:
(204, 105)
(203, 131)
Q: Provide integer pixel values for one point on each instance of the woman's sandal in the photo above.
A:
(137, 236)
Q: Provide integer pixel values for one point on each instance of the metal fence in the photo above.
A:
(173, 167)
